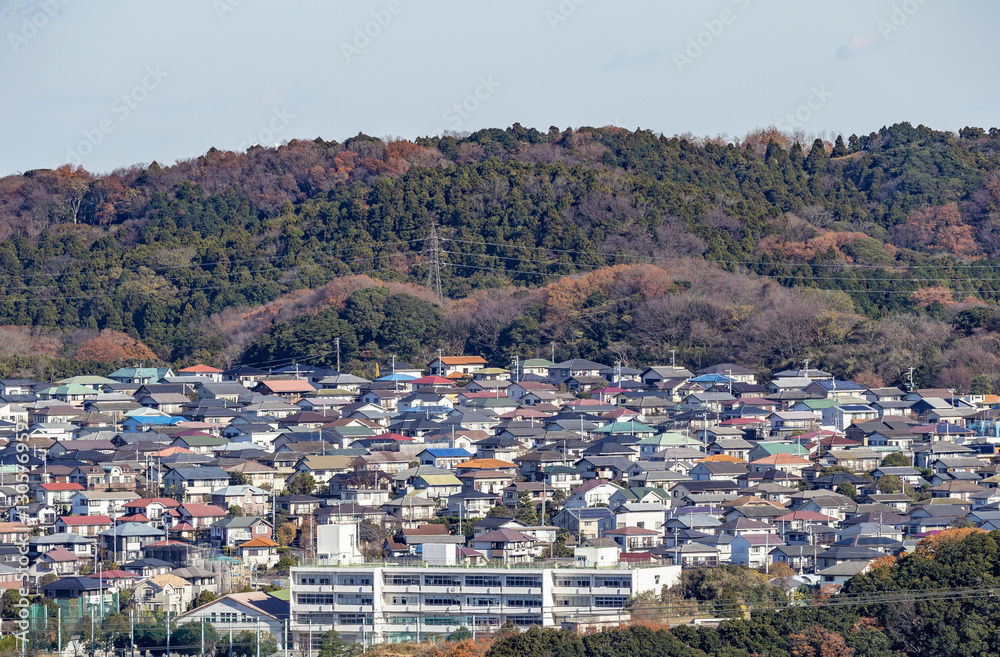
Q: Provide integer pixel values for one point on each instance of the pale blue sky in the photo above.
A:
(226, 73)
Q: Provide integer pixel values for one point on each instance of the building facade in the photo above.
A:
(398, 603)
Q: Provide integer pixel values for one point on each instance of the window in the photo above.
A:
(482, 600)
(482, 580)
(533, 581)
(315, 598)
(354, 580)
(579, 582)
(442, 601)
(613, 582)
(442, 580)
(401, 600)
(615, 601)
(523, 601)
(402, 580)
(524, 621)
(354, 599)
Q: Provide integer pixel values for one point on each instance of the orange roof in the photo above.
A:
(781, 459)
(463, 360)
(484, 464)
(288, 385)
(170, 451)
(201, 368)
(721, 458)
(259, 541)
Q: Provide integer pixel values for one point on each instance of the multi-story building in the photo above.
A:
(371, 604)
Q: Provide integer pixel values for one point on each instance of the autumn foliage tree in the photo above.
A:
(111, 345)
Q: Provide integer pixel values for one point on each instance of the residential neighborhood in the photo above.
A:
(451, 494)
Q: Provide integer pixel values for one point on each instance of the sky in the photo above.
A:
(118, 82)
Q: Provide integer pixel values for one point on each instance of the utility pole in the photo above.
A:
(553, 346)
(433, 254)
(59, 626)
(910, 378)
(673, 353)
(337, 342)
(131, 630)
(168, 632)
(258, 639)
(203, 636)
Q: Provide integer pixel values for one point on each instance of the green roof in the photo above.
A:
(441, 480)
(624, 427)
(794, 449)
(282, 594)
(818, 404)
(537, 362)
(70, 389)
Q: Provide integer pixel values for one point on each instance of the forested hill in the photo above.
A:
(204, 258)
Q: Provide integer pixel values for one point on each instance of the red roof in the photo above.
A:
(53, 487)
(431, 380)
(83, 521)
(636, 557)
(60, 554)
(135, 517)
(115, 574)
(203, 510)
(182, 527)
(201, 368)
(390, 436)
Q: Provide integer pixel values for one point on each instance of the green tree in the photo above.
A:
(847, 489)
(897, 460)
(461, 634)
(981, 385)
(235, 511)
(331, 645)
(237, 478)
(500, 511)
(525, 510)
(302, 484)
(203, 598)
(890, 484)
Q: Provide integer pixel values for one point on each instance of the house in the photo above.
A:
(754, 550)
(57, 561)
(195, 484)
(94, 503)
(635, 539)
(126, 540)
(450, 366)
(231, 532)
(591, 494)
(410, 509)
(323, 468)
(290, 390)
(585, 523)
(780, 461)
(443, 457)
(199, 516)
(163, 593)
(252, 500)
(252, 612)
(57, 493)
(259, 551)
(153, 508)
(82, 525)
(506, 545)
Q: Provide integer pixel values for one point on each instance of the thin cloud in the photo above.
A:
(857, 46)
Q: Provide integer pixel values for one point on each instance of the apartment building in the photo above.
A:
(370, 604)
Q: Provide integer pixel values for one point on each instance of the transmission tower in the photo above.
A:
(433, 252)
